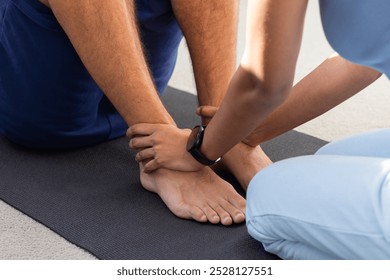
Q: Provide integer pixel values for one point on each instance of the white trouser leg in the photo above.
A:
(323, 207)
(374, 143)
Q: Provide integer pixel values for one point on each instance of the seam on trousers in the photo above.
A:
(318, 225)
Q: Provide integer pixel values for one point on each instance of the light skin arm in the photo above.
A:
(259, 85)
(105, 36)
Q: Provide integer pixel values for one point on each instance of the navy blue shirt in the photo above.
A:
(47, 97)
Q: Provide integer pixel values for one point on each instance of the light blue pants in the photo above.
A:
(331, 205)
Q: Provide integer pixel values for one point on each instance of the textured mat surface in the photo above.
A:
(93, 198)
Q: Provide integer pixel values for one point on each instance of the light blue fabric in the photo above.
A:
(332, 205)
(359, 30)
(366, 144)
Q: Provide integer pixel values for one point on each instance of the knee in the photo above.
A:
(258, 197)
(254, 207)
(260, 227)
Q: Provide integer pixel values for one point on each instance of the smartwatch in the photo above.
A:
(195, 142)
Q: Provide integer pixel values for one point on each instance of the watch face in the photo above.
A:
(192, 139)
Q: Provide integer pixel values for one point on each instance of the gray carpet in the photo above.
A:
(93, 198)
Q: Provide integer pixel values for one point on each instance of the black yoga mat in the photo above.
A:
(93, 198)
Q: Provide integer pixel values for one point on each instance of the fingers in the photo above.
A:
(144, 129)
(145, 154)
(138, 143)
(152, 166)
(140, 129)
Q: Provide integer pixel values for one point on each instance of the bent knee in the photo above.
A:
(259, 195)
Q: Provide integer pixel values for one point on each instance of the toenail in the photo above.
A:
(227, 220)
(239, 217)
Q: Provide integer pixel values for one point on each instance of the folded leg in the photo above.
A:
(373, 143)
(322, 207)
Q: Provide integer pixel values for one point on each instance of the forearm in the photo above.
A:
(274, 31)
(330, 84)
(238, 114)
(104, 34)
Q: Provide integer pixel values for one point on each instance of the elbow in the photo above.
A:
(374, 75)
(266, 91)
(276, 94)
(269, 94)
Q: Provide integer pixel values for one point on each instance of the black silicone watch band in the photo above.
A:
(194, 144)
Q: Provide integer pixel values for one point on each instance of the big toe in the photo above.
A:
(196, 213)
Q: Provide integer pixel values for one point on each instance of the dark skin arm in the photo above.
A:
(330, 84)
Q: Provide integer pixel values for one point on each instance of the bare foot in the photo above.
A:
(244, 162)
(201, 196)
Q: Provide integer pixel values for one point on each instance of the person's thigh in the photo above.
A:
(373, 143)
(322, 207)
(48, 99)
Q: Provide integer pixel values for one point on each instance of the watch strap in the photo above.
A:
(194, 149)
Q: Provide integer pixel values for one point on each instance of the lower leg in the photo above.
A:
(210, 29)
(244, 162)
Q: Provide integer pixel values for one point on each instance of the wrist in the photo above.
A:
(194, 146)
(251, 141)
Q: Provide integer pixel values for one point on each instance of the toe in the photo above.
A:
(237, 201)
(239, 218)
(212, 216)
(197, 214)
(187, 211)
(227, 221)
(237, 215)
(224, 216)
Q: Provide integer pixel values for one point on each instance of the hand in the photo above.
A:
(162, 146)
